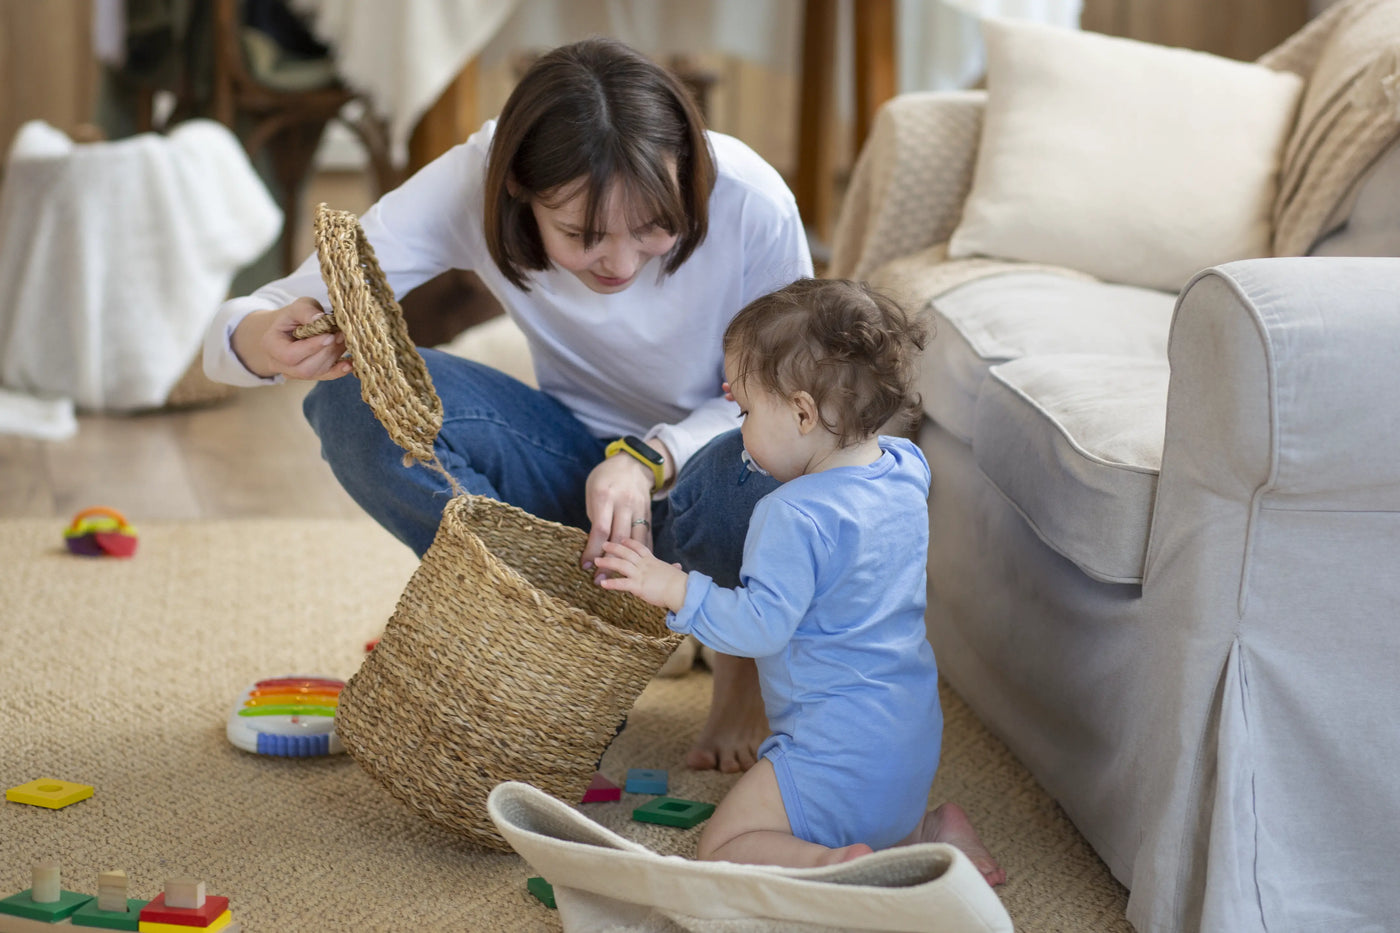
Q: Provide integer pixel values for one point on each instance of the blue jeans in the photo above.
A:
(503, 439)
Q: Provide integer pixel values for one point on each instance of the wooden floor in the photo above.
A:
(252, 455)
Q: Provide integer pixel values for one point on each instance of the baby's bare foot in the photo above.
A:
(948, 823)
(736, 725)
(846, 853)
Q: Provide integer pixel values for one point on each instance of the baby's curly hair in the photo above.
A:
(849, 346)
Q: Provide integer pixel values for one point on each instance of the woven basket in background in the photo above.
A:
(503, 661)
(195, 389)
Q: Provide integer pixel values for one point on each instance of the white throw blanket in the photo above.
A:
(114, 257)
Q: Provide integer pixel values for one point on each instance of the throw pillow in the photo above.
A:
(1135, 163)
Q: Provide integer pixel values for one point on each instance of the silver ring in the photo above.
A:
(640, 521)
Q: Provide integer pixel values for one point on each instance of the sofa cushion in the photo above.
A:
(1136, 163)
(1074, 442)
(1006, 317)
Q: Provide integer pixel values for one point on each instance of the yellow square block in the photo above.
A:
(218, 923)
(49, 792)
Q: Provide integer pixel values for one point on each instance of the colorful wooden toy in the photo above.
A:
(672, 811)
(601, 790)
(49, 792)
(543, 891)
(45, 907)
(100, 531)
(645, 781)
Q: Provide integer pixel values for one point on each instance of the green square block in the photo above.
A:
(672, 811)
(90, 915)
(22, 905)
(543, 891)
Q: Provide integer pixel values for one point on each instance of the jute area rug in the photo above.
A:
(120, 674)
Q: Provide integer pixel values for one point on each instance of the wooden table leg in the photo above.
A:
(449, 121)
(816, 112)
(875, 77)
(874, 81)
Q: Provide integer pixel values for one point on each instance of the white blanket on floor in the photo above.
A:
(114, 257)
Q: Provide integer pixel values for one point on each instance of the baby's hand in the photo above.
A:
(637, 571)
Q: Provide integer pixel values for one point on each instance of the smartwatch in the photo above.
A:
(640, 449)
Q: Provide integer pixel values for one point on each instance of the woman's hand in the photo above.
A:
(618, 499)
(632, 568)
(264, 343)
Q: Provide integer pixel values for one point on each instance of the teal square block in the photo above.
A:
(22, 905)
(672, 811)
(543, 891)
(90, 915)
(646, 781)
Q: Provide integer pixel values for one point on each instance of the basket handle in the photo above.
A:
(325, 324)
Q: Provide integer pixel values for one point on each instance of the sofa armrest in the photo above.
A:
(1283, 397)
(1284, 377)
(910, 181)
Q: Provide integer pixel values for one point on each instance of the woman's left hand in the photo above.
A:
(618, 499)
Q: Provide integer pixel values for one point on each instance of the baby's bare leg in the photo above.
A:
(948, 823)
(751, 826)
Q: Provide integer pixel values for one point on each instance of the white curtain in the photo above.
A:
(939, 44)
(767, 32)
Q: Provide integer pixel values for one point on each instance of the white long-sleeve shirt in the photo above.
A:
(647, 360)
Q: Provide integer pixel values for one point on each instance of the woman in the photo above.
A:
(621, 237)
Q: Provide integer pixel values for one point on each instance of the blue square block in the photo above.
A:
(644, 781)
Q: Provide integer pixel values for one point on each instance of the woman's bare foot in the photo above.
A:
(681, 660)
(948, 823)
(736, 725)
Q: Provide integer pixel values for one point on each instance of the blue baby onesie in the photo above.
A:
(831, 605)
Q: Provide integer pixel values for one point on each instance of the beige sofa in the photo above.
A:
(1164, 533)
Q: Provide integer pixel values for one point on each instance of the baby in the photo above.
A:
(831, 596)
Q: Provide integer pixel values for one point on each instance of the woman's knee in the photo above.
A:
(337, 413)
(708, 511)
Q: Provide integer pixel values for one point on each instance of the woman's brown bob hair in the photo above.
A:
(599, 112)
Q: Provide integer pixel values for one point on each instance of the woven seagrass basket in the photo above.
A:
(503, 660)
